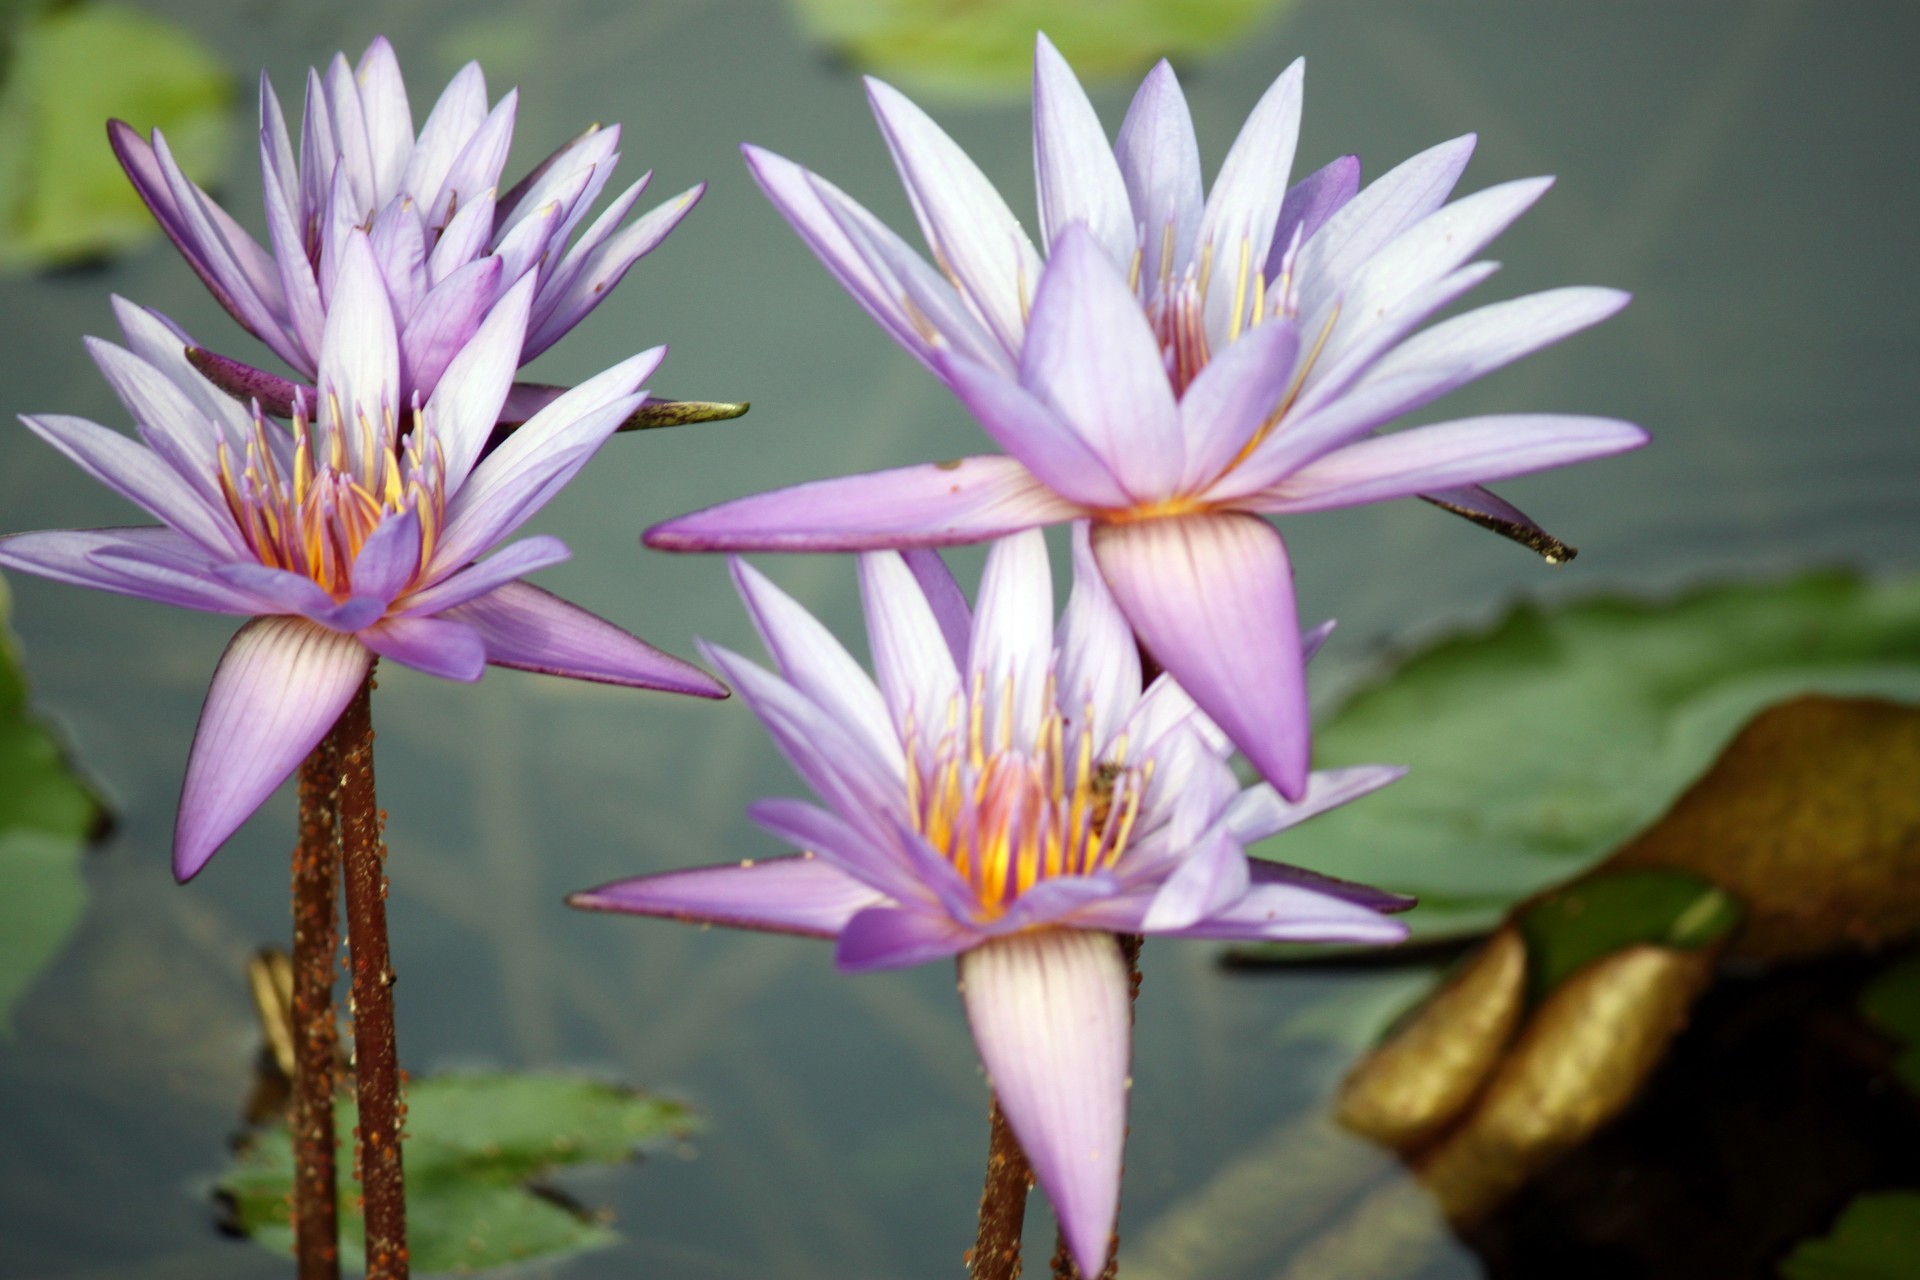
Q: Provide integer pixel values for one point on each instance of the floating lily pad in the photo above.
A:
(985, 47)
(1540, 746)
(46, 815)
(1572, 927)
(473, 1144)
(1877, 1238)
(62, 195)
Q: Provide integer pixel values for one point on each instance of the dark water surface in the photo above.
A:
(1746, 169)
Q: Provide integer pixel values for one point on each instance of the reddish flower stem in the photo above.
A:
(1003, 1204)
(316, 1034)
(376, 1059)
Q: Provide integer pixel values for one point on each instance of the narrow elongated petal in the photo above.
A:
(1309, 204)
(917, 670)
(858, 853)
(939, 504)
(1259, 812)
(467, 401)
(966, 223)
(511, 562)
(1032, 432)
(1233, 398)
(443, 646)
(1012, 643)
(889, 937)
(477, 166)
(1457, 351)
(1211, 598)
(389, 557)
(1160, 161)
(389, 120)
(360, 352)
(1074, 171)
(1049, 1012)
(161, 565)
(1384, 208)
(138, 475)
(1090, 356)
(798, 195)
(813, 661)
(1211, 877)
(1469, 451)
(799, 894)
(944, 596)
(444, 325)
(1099, 660)
(534, 630)
(279, 687)
(1237, 225)
(461, 108)
(605, 265)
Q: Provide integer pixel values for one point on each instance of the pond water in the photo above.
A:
(1743, 168)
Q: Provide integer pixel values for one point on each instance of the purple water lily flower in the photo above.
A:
(1178, 366)
(1008, 794)
(359, 532)
(450, 244)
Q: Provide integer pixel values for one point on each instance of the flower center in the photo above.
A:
(1007, 817)
(310, 509)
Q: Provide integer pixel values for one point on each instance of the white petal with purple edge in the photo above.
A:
(534, 630)
(1031, 432)
(511, 562)
(279, 687)
(1211, 597)
(1468, 451)
(937, 504)
(873, 862)
(443, 326)
(1099, 663)
(1384, 208)
(912, 660)
(1211, 876)
(1237, 225)
(1160, 161)
(1286, 913)
(146, 562)
(1074, 170)
(799, 894)
(139, 475)
(360, 351)
(1090, 356)
(1049, 1012)
(1012, 644)
(813, 661)
(964, 220)
(604, 266)
(1226, 405)
(1259, 812)
(467, 401)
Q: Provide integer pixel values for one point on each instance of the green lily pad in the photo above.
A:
(473, 1143)
(1539, 746)
(46, 816)
(1572, 927)
(1877, 1238)
(1892, 1003)
(985, 47)
(62, 195)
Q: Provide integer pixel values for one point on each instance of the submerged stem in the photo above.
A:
(316, 1034)
(376, 1059)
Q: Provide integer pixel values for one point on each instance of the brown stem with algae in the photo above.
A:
(316, 1034)
(1003, 1204)
(376, 1059)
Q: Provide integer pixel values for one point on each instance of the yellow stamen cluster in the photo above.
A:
(1008, 816)
(313, 517)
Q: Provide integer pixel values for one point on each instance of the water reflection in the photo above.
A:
(1725, 161)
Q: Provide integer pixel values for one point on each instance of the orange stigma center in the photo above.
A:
(1007, 817)
(312, 516)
